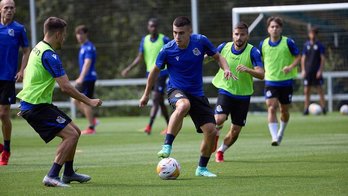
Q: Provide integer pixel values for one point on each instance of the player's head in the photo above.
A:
(240, 34)
(152, 25)
(55, 31)
(81, 33)
(313, 33)
(275, 26)
(7, 9)
(182, 31)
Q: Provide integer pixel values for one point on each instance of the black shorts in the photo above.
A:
(87, 88)
(47, 120)
(201, 113)
(7, 92)
(238, 108)
(160, 85)
(282, 93)
(312, 80)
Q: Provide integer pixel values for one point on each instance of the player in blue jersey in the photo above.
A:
(12, 37)
(88, 75)
(312, 66)
(184, 57)
(148, 51)
(280, 57)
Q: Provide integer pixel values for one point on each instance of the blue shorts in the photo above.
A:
(7, 92)
(87, 88)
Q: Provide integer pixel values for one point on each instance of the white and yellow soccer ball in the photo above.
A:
(315, 109)
(344, 109)
(168, 169)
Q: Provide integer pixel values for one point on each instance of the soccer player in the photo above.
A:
(184, 57)
(149, 48)
(234, 96)
(280, 58)
(312, 66)
(43, 71)
(86, 80)
(12, 37)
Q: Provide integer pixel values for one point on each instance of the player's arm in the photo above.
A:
(295, 52)
(256, 60)
(66, 87)
(303, 60)
(150, 83)
(322, 61)
(135, 62)
(224, 66)
(24, 62)
(85, 68)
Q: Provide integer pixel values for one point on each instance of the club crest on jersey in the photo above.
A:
(219, 108)
(177, 58)
(196, 52)
(177, 95)
(60, 120)
(315, 47)
(268, 94)
(11, 32)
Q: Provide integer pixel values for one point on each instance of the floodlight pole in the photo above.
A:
(33, 23)
(194, 15)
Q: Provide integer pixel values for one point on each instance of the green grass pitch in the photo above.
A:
(312, 160)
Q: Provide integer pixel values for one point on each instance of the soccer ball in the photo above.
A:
(168, 169)
(344, 109)
(315, 109)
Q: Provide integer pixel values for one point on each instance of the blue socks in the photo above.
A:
(68, 168)
(169, 139)
(203, 161)
(55, 169)
(7, 145)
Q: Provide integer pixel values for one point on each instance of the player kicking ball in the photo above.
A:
(44, 69)
(234, 96)
(184, 57)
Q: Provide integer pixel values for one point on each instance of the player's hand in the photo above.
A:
(79, 81)
(318, 74)
(242, 68)
(228, 74)
(143, 100)
(124, 72)
(287, 69)
(19, 76)
(303, 74)
(96, 102)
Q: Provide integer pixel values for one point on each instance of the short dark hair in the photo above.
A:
(54, 24)
(241, 25)
(81, 29)
(154, 20)
(182, 21)
(315, 30)
(276, 19)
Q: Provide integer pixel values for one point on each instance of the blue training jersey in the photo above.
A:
(12, 37)
(293, 50)
(185, 66)
(88, 51)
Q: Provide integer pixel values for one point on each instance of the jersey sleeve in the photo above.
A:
(292, 47)
(89, 52)
(321, 48)
(141, 45)
(256, 59)
(260, 47)
(161, 59)
(24, 39)
(210, 49)
(304, 50)
(53, 64)
(221, 46)
(166, 39)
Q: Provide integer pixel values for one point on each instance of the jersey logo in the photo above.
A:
(54, 56)
(219, 108)
(178, 95)
(196, 52)
(315, 47)
(268, 94)
(11, 32)
(177, 58)
(60, 120)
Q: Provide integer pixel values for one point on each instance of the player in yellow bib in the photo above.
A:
(234, 95)
(280, 58)
(149, 48)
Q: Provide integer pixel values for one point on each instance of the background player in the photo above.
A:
(12, 37)
(149, 48)
(312, 66)
(184, 57)
(280, 58)
(43, 70)
(234, 96)
(86, 81)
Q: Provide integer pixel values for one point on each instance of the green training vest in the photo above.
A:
(151, 50)
(244, 85)
(275, 59)
(38, 84)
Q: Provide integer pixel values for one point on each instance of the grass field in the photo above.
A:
(312, 160)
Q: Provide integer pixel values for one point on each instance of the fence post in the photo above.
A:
(329, 92)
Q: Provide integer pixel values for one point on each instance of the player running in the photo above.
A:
(312, 66)
(12, 37)
(234, 96)
(149, 48)
(280, 58)
(86, 80)
(43, 70)
(184, 57)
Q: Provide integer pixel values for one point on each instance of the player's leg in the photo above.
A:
(321, 97)
(220, 119)
(222, 109)
(164, 112)
(307, 94)
(6, 126)
(153, 111)
(182, 106)
(272, 105)
(285, 99)
(88, 90)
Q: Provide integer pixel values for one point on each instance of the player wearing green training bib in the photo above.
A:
(149, 48)
(234, 95)
(280, 58)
